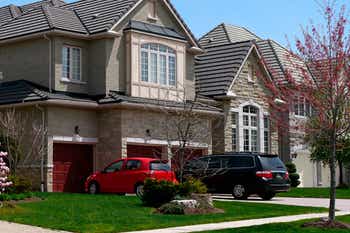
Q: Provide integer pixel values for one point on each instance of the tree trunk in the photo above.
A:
(332, 164)
(341, 177)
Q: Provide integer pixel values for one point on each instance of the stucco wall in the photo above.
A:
(27, 60)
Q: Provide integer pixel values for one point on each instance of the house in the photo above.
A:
(227, 73)
(100, 74)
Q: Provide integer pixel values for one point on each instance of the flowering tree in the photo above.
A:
(4, 171)
(318, 75)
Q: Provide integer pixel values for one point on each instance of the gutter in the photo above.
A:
(96, 106)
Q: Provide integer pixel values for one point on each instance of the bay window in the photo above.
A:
(158, 64)
(266, 134)
(71, 63)
(234, 123)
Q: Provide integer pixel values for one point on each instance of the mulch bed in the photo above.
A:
(324, 223)
(194, 211)
(26, 200)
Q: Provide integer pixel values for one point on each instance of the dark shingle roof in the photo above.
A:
(115, 97)
(41, 19)
(19, 92)
(226, 34)
(216, 69)
(22, 91)
(34, 5)
(154, 29)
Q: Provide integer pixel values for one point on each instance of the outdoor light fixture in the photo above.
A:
(148, 135)
(76, 136)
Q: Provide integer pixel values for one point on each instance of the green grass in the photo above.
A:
(110, 213)
(293, 227)
(316, 193)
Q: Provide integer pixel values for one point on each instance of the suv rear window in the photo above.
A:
(238, 162)
(159, 166)
(271, 163)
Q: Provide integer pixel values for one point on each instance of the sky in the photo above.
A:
(280, 20)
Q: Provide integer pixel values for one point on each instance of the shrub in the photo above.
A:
(192, 186)
(20, 185)
(293, 176)
(15, 197)
(172, 208)
(157, 193)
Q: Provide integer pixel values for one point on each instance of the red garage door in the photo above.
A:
(144, 151)
(72, 165)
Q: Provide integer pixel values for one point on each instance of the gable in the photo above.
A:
(254, 88)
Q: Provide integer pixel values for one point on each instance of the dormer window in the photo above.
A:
(158, 64)
(71, 63)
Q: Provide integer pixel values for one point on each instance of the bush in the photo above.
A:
(157, 193)
(20, 185)
(172, 208)
(192, 186)
(293, 176)
(15, 197)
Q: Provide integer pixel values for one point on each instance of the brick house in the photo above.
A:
(100, 72)
(226, 74)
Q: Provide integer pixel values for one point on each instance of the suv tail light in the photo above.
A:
(264, 174)
(286, 176)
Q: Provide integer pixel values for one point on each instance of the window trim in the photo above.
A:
(159, 54)
(251, 128)
(297, 102)
(70, 79)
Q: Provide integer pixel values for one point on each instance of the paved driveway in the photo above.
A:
(341, 204)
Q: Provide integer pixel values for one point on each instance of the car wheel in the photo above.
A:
(240, 192)
(139, 190)
(267, 196)
(93, 188)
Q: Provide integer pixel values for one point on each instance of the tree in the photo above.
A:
(22, 135)
(318, 74)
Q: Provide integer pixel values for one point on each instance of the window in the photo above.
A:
(250, 129)
(133, 164)
(214, 163)
(251, 73)
(71, 63)
(234, 122)
(159, 166)
(158, 64)
(117, 166)
(266, 134)
(238, 162)
(302, 107)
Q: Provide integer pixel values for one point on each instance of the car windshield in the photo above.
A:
(272, 163)
(159, 166)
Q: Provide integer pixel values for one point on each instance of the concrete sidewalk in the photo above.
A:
(7, 227)
(238, 224)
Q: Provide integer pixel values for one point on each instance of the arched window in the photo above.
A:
(250, 128)
(158, 64)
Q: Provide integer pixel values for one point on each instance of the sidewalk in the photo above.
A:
(6, 227)
(238, 224)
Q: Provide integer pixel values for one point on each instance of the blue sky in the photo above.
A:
(274, 19)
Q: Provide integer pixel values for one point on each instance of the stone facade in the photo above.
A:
(245, 92)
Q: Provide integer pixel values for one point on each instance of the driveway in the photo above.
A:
(7, 227)
(341, 204)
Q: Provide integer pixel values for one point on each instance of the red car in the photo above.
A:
(128, 176)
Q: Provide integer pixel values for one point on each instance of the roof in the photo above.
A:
(84, 16)
(225, 34)
(216, 69)
(277, 58)
(22, 91)
(154, 29)
(43, 18)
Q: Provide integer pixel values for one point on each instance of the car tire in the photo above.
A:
(93, 188)
(240, 192)
(139, 190)
(267, 196)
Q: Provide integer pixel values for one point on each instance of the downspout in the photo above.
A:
(50, 62)
(42, 159)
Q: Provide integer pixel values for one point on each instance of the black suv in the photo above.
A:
(241, 174)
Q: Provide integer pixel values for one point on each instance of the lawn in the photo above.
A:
(294, 227)
(315, 192)
(110, 213)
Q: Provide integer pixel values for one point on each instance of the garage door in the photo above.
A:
(144, 151)
(72, 165)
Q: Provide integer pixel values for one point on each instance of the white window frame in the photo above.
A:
(234, 125)
(251, 128)
(267, 129)
(70, 78)
(159, 54)
(300, 101)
